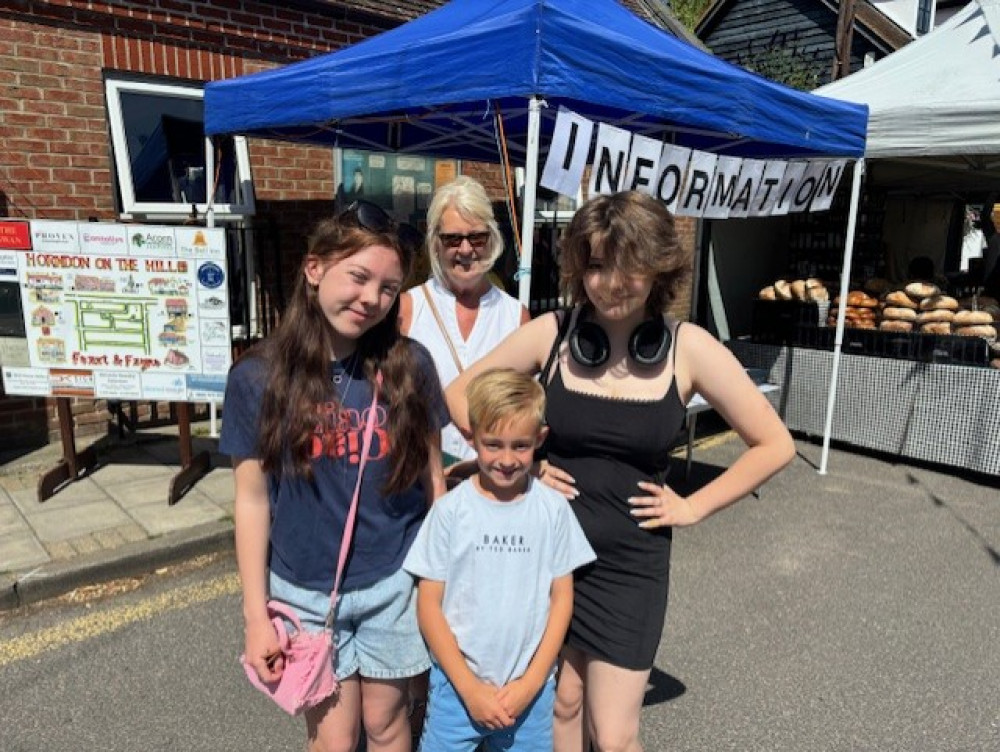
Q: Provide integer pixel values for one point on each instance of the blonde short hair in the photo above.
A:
(501, 395)
(468, 198)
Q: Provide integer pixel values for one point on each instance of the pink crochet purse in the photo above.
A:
(308, 677)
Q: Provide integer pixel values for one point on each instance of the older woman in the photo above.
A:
(458, 314)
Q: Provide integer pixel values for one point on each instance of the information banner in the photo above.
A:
(130, 312)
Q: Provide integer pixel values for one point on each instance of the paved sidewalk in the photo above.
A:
(113, 522)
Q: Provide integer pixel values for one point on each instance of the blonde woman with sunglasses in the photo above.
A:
(458, 314)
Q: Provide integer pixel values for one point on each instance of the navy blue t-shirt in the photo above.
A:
(308, 516)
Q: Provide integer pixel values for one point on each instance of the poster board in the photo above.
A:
(112, 311)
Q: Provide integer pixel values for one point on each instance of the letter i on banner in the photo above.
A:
(568, 152)
(643, 164)
(789, 184)
(607, 175)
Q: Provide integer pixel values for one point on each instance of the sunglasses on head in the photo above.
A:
(374, 218)
(477, 240)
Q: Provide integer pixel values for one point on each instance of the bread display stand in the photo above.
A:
(933, 412)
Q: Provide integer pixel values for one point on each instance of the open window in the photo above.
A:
(158, 138)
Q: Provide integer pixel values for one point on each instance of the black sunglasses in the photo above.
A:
(454, 239)
(374, 218)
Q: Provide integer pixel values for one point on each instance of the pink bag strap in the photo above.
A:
(345, 541)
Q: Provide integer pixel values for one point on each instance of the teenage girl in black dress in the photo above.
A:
(619, 373)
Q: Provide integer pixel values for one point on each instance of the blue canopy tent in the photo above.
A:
(433, 86)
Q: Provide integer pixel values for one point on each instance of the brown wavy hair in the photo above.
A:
(636, 233)
(298, 356)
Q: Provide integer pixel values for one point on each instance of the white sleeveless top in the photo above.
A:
(499, 315)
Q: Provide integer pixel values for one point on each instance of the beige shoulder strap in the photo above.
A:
(440, 323)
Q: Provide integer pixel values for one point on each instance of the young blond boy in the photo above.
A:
(495, 558)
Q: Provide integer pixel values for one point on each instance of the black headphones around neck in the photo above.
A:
(648, 344)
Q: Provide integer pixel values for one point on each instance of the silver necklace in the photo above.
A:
(347, 370)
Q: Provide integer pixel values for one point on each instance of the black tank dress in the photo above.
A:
(608, 445)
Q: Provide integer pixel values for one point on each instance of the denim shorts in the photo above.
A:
(375, 626)
(450, 728)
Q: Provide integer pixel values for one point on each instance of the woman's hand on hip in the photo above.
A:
(661, 507)
(556, 478)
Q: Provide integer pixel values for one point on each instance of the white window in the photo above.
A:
(158, 137)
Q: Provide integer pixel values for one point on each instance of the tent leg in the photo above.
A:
(528, 208)
(845, 281)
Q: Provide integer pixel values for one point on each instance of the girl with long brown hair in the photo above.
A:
(294, 415)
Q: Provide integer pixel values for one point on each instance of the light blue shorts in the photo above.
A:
(375, 626)
(449, 728)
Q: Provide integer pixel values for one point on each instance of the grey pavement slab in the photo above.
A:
(20, 551)
(77, 520)
(191, 511)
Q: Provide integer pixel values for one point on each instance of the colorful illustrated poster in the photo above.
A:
(131, 312)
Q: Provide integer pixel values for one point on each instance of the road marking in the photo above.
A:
(96, 624)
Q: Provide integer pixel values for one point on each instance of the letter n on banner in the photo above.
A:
(568, 152)
(827, 186)
(607, 175)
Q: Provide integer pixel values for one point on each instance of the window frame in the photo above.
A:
(114, 86)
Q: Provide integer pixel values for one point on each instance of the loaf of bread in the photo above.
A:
(798, 288)
(783, 290)
(969, 318)
(978, 330)
(927, 317)
(939, 302)
(921, 290)
(900, 299)
(899, 314)
(894, 325)
(767, 293)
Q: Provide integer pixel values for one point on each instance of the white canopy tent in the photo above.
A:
(934, 121)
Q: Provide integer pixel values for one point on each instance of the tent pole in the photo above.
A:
(845, 281)
(213, 410)
(528, 207)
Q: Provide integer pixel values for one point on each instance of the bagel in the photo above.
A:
(980, 330)
(970, 318)
(817, 293)
(899, 314)
(939, 302)
(927, 317)
(767, 293)
(921, 290)
(893, 325)
(937, 327)
(798, 288)
(862, 299)
(900, 299)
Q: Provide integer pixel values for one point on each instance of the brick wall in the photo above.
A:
(56, 160)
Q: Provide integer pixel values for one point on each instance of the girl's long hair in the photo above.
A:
(299, 382)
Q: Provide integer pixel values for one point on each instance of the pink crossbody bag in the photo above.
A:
(308, 677)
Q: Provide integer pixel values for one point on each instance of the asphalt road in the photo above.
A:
(854, 611)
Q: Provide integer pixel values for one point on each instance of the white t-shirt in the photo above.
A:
(499, 315)
(497, 561)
